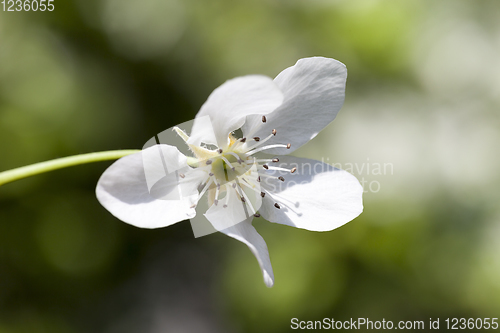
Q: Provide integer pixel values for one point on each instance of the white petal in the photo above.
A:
(231, 210)
(173, 186)
(317, 197)
(123, 191)
(246, 233)
(229, 104)
(160, 161)
(202, 131)
(314, 92)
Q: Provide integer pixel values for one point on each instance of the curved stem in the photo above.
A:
(64, 162)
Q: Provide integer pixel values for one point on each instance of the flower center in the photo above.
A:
(235, 170)
(229, 165)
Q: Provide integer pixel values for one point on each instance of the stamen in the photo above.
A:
(219, 151)
(192, 206)
(227, 162)
(267, 147)
(262, 194)
(182, 175)
(293, 170)
(281, 178)
(277, 168)
(288, 146)
(265, 174)
(256, 128)
(257, 139)
(260, 143)
(208, 162)
(238, 158)
(250, 186)
(216, 201)
(204, 168)
(275, 160)
(243, 140)
(227, 195)
(258, 161)
(256, 215)
(234, 185)
(244, 199)
(284, 202)
(207, 185)
(265, 166)
(274, 132)
(210, 174)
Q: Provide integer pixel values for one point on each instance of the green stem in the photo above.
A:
(35, 169)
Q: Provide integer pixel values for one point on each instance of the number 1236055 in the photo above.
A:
(27, 5)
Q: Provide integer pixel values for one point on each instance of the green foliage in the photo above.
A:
(103, 75)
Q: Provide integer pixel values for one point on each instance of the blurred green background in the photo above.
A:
(423, 96)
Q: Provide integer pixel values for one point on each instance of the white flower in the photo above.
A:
(161, 186)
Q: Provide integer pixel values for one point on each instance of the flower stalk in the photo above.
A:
(59, 163)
